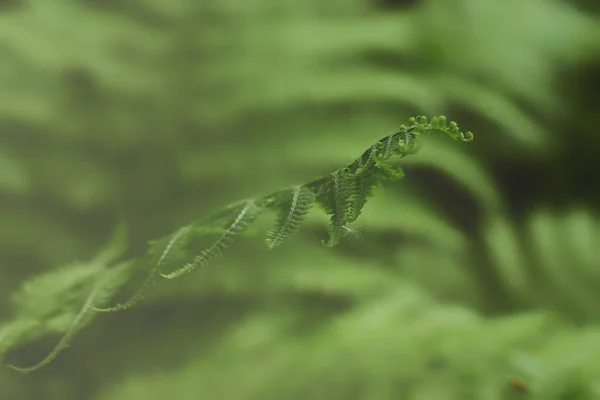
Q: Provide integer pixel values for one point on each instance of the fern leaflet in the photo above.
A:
(291, 215)
(245, 216)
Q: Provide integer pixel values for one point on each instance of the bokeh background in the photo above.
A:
(475, 277)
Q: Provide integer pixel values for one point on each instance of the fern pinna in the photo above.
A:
(341, 194)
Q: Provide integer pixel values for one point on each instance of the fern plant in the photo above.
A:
(342, 194)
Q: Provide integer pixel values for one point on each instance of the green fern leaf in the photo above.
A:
(362, 188)
(105, 287)
(335, 200)
(293, 211)
(342, 194)
(244, 216)
(170, 245)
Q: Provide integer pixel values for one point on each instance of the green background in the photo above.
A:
(477, 272)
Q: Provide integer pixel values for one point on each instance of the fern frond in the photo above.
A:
(174, 242)
(244, 216)
(105, 287)
(335, 200)
(342, 194)
(178, 240)
(133, 300)
(363, 184)
(293, 211)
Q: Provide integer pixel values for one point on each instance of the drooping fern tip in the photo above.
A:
(342, 194)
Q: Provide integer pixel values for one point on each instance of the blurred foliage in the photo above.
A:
(475, 277)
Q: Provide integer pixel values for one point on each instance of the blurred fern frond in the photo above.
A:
(59, 301)
(336, 193)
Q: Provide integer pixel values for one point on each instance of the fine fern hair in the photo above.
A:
(342, 195)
